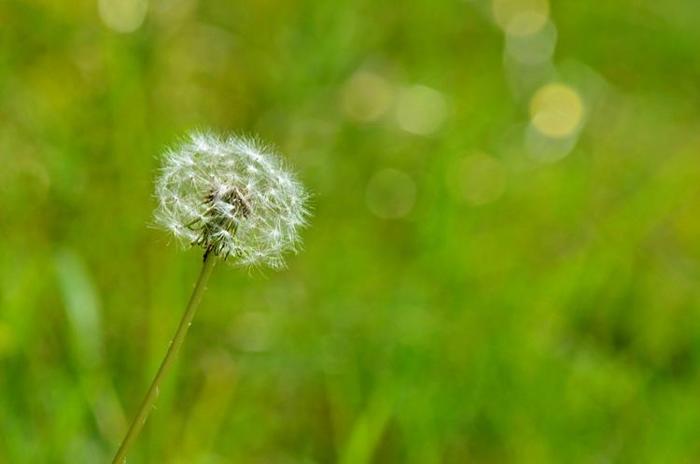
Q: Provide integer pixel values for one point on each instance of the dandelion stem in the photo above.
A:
(166, 364)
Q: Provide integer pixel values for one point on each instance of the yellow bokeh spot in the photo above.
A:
(366, 96)
(420, 110)
(556, 110)
(122, 15)
(520, 17)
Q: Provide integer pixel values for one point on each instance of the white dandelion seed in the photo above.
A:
(233, 197)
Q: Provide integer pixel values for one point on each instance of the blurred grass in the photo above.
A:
(496, 296)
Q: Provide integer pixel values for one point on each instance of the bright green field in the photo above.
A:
(502, 266)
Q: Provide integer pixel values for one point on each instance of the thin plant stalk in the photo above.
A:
(167, 363)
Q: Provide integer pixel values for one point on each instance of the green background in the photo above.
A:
(463, 295)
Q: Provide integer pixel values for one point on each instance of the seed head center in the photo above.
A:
(225, 210)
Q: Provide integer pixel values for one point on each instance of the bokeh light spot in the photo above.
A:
(366, 96)
(122, 15)
(391, 194)
(547, 149)
(478, 179)
(520, 17)
(556, 110)
(534, 48)
(420, 110)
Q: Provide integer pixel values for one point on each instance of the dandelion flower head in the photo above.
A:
(232, 197)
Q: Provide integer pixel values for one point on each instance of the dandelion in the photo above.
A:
(232, 198)
(238, 202)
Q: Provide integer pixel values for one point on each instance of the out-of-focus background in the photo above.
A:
(502, 265)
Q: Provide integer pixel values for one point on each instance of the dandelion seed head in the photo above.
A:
(231, 196)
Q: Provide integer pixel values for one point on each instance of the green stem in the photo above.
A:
(166, 365)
